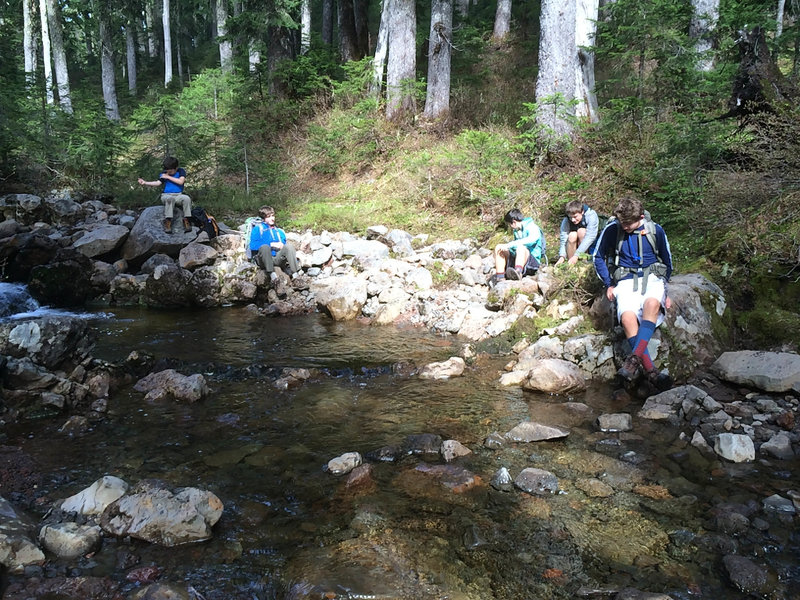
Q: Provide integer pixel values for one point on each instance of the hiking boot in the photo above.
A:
(495, 279)
(187, 227)
(660, 380)
(631, 368)
(167, 225)
(513, 274)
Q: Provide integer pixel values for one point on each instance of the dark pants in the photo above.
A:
(285, 259)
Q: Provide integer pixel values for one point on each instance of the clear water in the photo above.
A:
(289, 524)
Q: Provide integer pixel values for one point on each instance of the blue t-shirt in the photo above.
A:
(170, 187)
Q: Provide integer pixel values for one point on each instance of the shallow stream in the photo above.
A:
(289, 526)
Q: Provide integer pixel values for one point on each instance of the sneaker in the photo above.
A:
(631, 368)
(167, 225)
(660, 380)
(187, 227)
(513, 274)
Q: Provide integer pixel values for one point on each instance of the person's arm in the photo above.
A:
(664, 252)
(605, 245)
(592, 225)
(155, 183)
(255, 242)
(178, 179)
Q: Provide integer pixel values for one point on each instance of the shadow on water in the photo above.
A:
(404, 535)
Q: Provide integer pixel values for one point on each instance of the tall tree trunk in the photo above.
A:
(107, 66)
(327, 22)
(462, 7)
(150, 24)
(305, 26)
(59, 56)
(165, 14)
(225, 46)
(585, 30)
(29, 39)
(779, 19)
(381, 46)
(178, 46)
(437, 100)
(46, 54)
(253, 56)
(502, 20)
(348, 47)
(130, 56)
(402, 60)
(360, 15)
(556, 66)
(701, 30)
(280, 48)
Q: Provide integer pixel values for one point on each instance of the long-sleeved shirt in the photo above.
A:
(529, 236)
(262, 234)
(590, 221)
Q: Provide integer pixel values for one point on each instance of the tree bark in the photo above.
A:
(381, 46)
(29, 40)
(305, 26)
(59, 56)
(165, 13)
(360, 15)
(150, 24)
(437, 100)
(401, 61)
(701, 30)
(502, 20)
(348, 47)
(130, 56)
(556, 66)
(107, 67)
(462, 7)
(46, 54)
(585, 30)
(779, 19)
(327, 22)
(225, 47)
(279, 49)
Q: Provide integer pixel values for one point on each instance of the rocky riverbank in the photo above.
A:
(731, 407)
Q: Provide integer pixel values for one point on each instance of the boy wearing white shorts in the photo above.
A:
(634, 262)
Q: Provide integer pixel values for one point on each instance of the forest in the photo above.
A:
(432, 116)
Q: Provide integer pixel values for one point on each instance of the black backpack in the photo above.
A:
(205, 221)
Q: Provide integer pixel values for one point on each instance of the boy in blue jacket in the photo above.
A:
(173, 178)
(522, 255)
(268, 243)
(634, 262)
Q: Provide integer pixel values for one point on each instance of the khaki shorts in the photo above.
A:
(628, 300)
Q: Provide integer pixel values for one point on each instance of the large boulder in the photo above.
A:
(101, 240)
(17, 548)
(171, 384)
(51, 341)
(768, 371)
(94, 499)
(341, 297)
(555, 376)
(64, 281)
(148, 236)
(168, 286)
(22, 252)
(157, 515)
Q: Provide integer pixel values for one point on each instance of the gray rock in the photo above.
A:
(768, 371)
(344, 464)
(615, 422)
(555, 376)
(70, 540)
(735, 447)
(148, 236)
(159, 516)
(748, 576)
(537, 481)
(452, 367)
(17, 548)
(452, 449)
(341, 297)
(171, 384)
(502, 480)
(195, 255)
(779, 446)
(101, 240)
(94, 499)
(528, 431)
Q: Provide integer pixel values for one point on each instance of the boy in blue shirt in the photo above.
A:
(641, 264)
(522, 255)
(268, 244)
(173, 178)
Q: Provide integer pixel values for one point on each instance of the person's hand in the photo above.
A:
(141, 181)
(573, 260)
(610, 293)
(668, 303)
(560, 261)
(276, 245)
